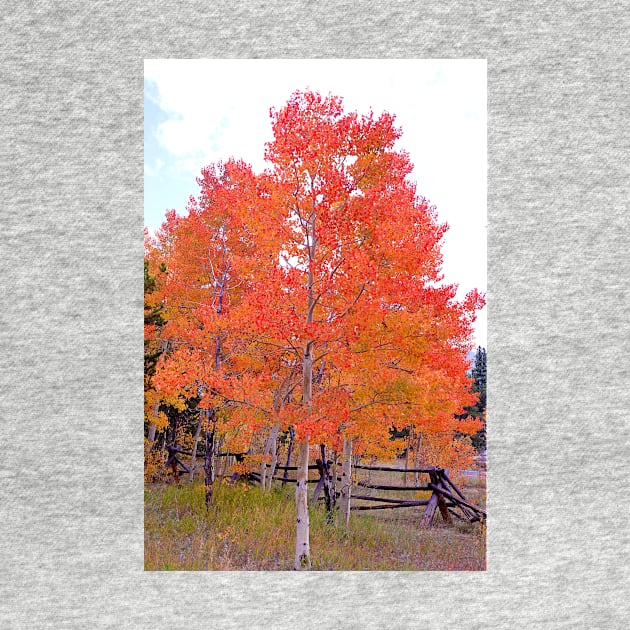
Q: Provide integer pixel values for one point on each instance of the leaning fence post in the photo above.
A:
(320, 483)
(441, 502)
(429, 511)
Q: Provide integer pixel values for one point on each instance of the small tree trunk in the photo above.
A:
(194, 448)
(263, 469)
(289, 452)
(173, 428)
(220, 469)
(268, 447)
(335, 477)
(346, 483)
(407, 456)
(209, 467)
(329, 496)
(302, 545)
(152, 425)
(274, 454)
(162, 347)
(416, 459)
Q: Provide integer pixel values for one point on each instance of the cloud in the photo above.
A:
(214, 109)
(219, 108)
(152, 171)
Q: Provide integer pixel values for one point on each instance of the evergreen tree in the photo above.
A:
(479, 386)
(478, 410)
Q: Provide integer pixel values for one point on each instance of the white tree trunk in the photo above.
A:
(346, 483)
(270, 446)
(302, 544)
(152, 427)
(274, 454)
(416, 459)
(263, 467)
(194, 448)
(407, 454)
(335, 475)
(209, 470)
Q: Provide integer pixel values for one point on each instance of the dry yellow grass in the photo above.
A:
(251, 530)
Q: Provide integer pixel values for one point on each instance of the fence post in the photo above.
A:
(429, 511)
(441, 502)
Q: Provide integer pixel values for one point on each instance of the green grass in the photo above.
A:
(247, 529)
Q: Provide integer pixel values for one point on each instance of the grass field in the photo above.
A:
(247, 529)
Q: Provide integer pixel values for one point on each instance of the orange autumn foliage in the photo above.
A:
(324, 268)
(447, 452)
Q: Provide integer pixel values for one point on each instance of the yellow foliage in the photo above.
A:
(441, 450)
(241, 469)
(154, 470)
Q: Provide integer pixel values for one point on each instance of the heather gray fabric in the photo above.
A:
(71, 334)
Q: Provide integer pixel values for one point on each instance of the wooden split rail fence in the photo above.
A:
(177, 466)
(445, 497)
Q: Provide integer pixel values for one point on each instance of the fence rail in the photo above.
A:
(445, 495)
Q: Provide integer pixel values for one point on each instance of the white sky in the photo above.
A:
(202, 111)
